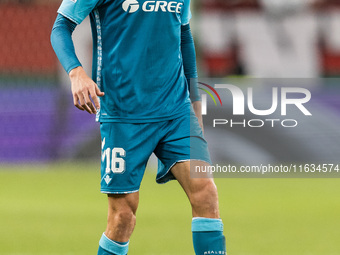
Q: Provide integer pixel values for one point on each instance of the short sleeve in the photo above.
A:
(186, 15)
(77, 10)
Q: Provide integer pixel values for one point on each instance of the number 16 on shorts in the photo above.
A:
(114, 160)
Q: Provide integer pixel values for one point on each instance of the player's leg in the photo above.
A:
(121, 216)
(202, 192)
(120, 224)
(125, 151)
(207, 227)
(183, 146)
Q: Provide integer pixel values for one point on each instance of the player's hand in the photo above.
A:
(197, 105)
(83, 89)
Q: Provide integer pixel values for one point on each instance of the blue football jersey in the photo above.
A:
(137, 59)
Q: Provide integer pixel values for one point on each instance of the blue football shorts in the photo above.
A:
(126, 148)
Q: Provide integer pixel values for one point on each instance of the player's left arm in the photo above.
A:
(189, 61)
(190, 70)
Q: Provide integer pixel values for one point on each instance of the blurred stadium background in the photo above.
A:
(49, 151)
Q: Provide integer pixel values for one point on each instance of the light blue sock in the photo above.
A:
(110, 247)
(207, 235)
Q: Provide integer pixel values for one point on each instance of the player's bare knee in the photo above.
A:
(205, 188)
(122, 222)
(126, 217)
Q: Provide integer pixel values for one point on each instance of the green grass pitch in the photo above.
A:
(58, 209)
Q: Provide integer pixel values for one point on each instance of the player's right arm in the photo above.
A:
(83, 87)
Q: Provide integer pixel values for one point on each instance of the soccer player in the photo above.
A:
(143, 60)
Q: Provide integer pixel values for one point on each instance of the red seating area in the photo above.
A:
(25, 38)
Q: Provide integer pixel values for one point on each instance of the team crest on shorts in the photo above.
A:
(107, 179)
